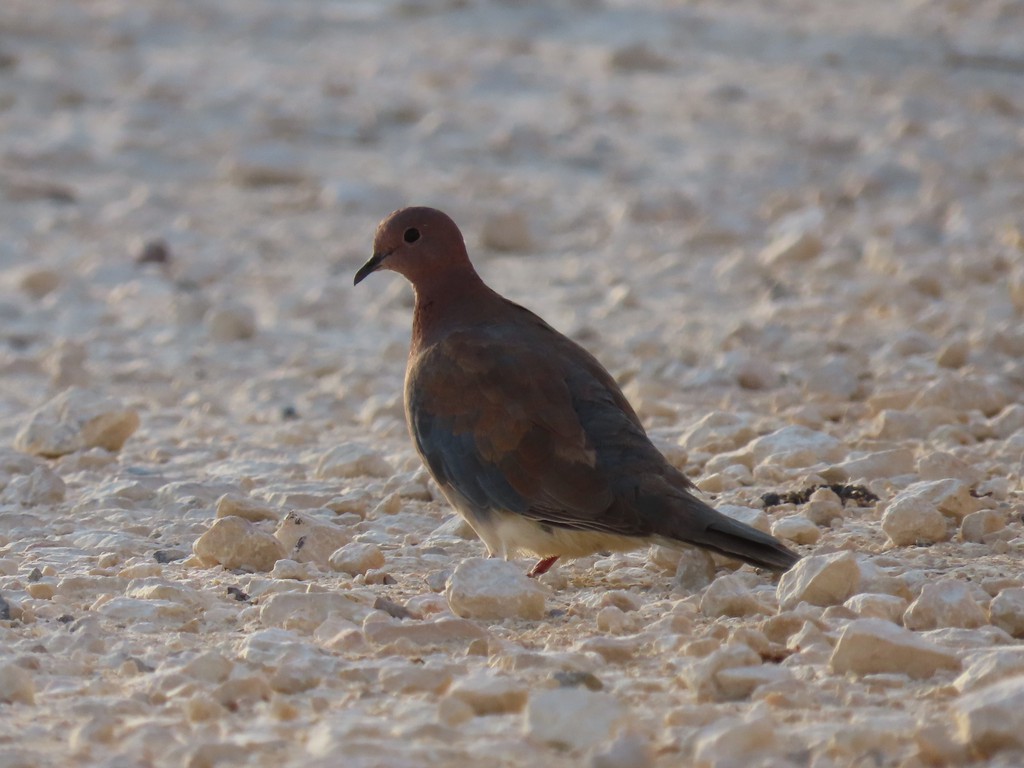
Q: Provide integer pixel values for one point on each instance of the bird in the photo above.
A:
(527, 435)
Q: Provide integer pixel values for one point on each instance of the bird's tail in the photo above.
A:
(694, 522)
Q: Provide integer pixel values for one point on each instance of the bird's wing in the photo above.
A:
(530, 423)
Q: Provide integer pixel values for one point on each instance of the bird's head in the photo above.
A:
(422, 244)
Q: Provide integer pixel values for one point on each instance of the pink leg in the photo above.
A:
(542, 567)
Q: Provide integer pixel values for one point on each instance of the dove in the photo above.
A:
(527, 435)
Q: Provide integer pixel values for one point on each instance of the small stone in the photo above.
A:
(39, 281)
(701, 675)
(454, 712)
(637, 57)
(736, 741)
(629, 750)
(940, 465)
(305, 611)
(75, 420)
(44, 590)
(911, 518)
(231, 321)
(876, 606)
(66, 365)
(488, 588)
(796, 528)
(290, 569)
(944, 603)
(992, 719)
(988, 667)
(389, 505)
(823, 507)
(236, 543)
(796, 446)
(950, 497)
(416, 679)
(614, 650)
(42, 486)
(820, 580)
(961, 394)
(1008, 421)
(895, 424)
(508, 232)
(666, 558)
(718, 432)
(978, 525)
(356, 558)
(736, 683)
(1007, 611)
(954, 354)
(490, 695)
(309, 540)
(154, 252)
(837, 378)
(730, 595)
(613, 621)
(352, 460)
(423, 634)
(572, 718)
(876, 646)
(16, 685)
(871, 466)
(236, 505)
(792, 248)
(694, 570)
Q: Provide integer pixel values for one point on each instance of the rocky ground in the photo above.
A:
(793, 231)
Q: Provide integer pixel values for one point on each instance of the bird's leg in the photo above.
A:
(542, 567)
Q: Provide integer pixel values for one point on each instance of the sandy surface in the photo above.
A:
(802, 218)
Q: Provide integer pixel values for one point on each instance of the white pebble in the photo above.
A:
(75, 420)
(305, 611)
(992, 718)
(876, 646)
(877, 606)
(42, 486)
(308, 540)
(796, 446)
(912, 518)
(730, 595)
(977, 525)
(791, 248)
(353, 460)
(572, 718)
(990, 666)
(796, 528)
(236, 543)
(488, 588)
(944, 603)
(1007, 611)
(489, 694)
(820, 580)
(356, 558)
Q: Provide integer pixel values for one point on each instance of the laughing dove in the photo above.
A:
(528, 436)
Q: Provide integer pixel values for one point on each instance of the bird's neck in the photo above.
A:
(444, 304)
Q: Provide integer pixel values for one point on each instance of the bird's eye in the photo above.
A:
(411, 235)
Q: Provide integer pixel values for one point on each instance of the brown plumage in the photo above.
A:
(527, 435)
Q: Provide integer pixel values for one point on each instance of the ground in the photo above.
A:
(794, 231)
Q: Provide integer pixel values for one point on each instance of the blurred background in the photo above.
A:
(668, 181)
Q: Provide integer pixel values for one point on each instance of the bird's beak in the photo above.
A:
(372, 265)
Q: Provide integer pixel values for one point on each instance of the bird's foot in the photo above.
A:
(542, 567)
